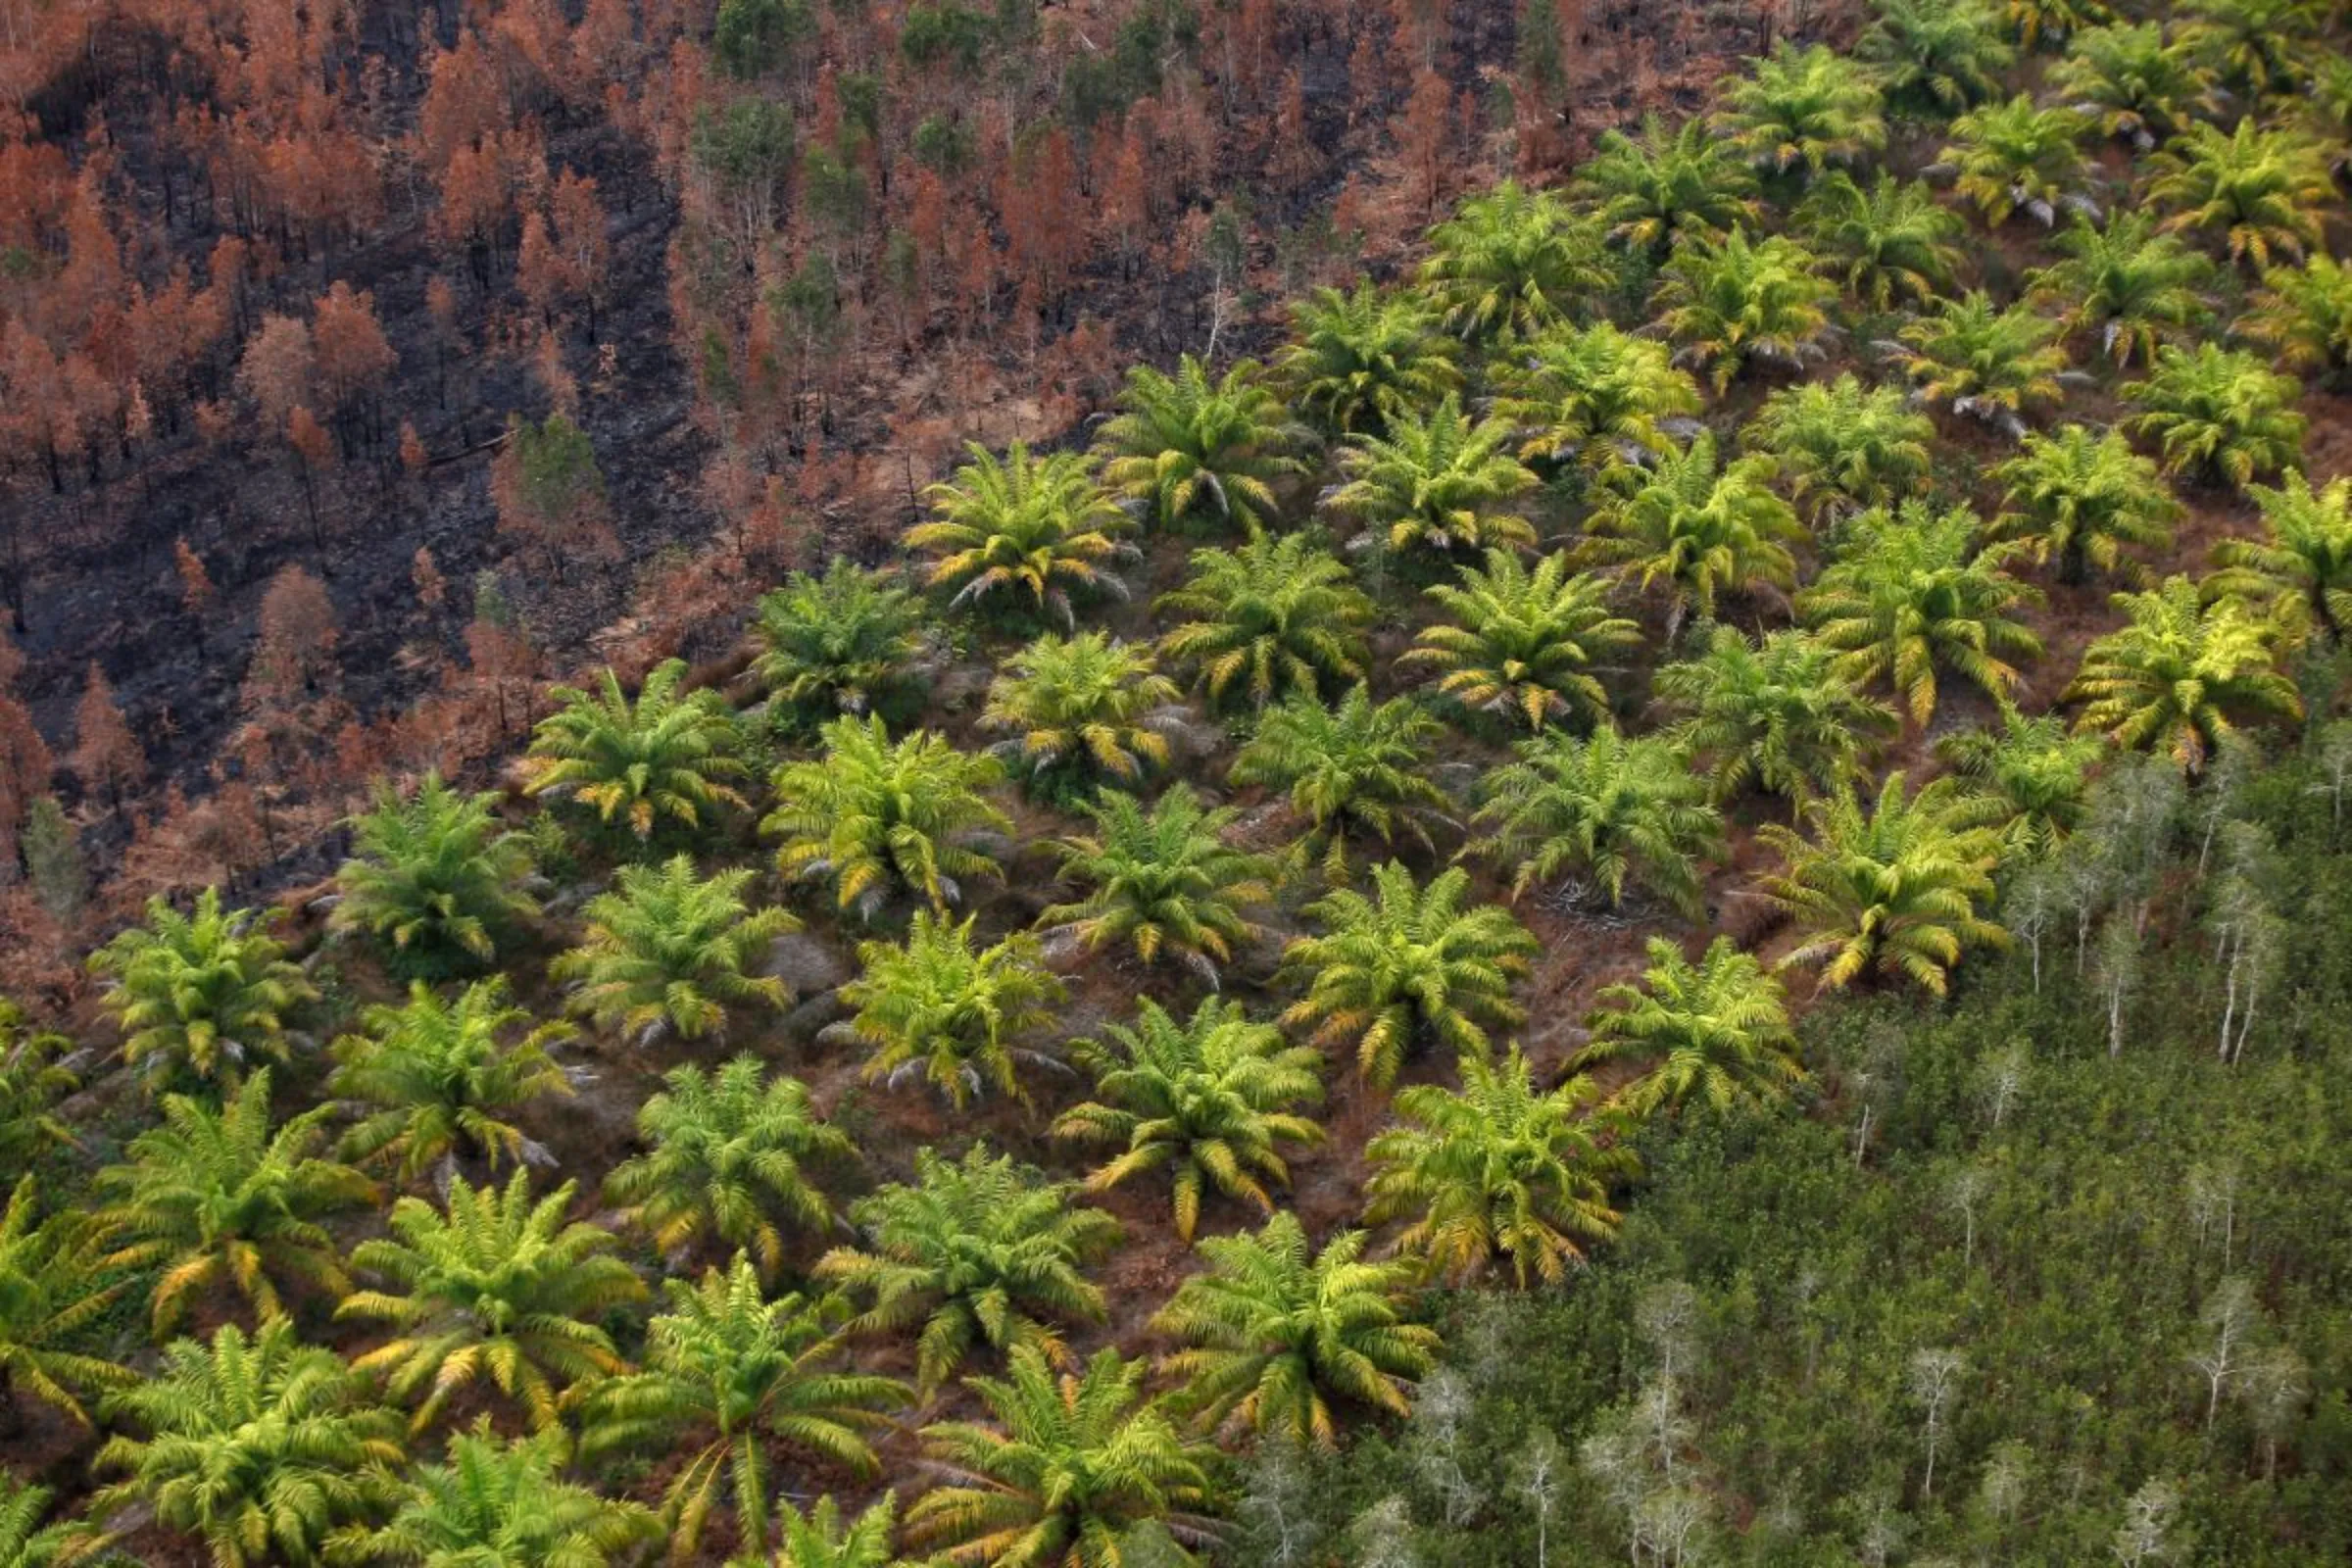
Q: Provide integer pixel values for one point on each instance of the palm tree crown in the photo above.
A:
(1696, 532)
(1523, 645)
(2302, 564)
(1212, 1098)
(1595, 396)
(51, 1292)
(669, 950)
(199, 995)
(871, 816)
(2134, 83)
(1434, 484)
(2016, 157)
(498, 1503)
(1716, 1030)
(1080, 709)
(1997, 365)
(1888, 242)
(1657, 189)
(836, 644)
(2134, 287)
(2179, 676)
(1618, 810)
(1936, 56)
(1775, 716)
(1187, 449)
(1913, 594)
(1356, 767)
(2036, 772)
(2219, 413)
(1893, 888)
(726, 1157)
(1734, 302)
(1162, 881)
(493, 1286)
(1273, 615)
(1841, 447)
(1810, 109)
(259, 1447)
(1500, 1171)
(1358, 361)
(1407, 964)
(214, 1197)
(977, 1253)
(950, 1008)
(1073, 1463)
(438, 1081)
(1276, 1330)
(433, 878)
(727, 1361)
(2263, 191)
(1035, 531)
(2084, 499)
(663, 758)
(1512, 262)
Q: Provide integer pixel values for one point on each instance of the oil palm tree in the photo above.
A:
(1270, 616)
(502, 1503)
(1405, 965)
(1594, 396)
(1277, 1333)
(2035, 772)
(1658, 189)
(36, 1072)
(1732, 303)
(1696, 533)
(1934, 57)
(1213, 1099)
(950, 1009)
(1032, 531)
(871, 816)
(1894, 888)
(492, 1287)
(51, 1292)
(436, 1082)
(1435, 483)
(27, 1542)
(842, 643)
(2304, 315)
(198, 995)
(2036, 23)
(258, 1446)
(822, 1539)
(2218, 413)
(978, 1251)
(1773, 716)
(432, 878)
(1888, 243)
(2181, 675)
(2084, 499)
(2264, 192)
(215, 1198)
(1620, 810)
(1357, 360)
(1808, 109)
(747, 1374)
(1161, 881)
(1499, 1172)
(1356, 768)
(1081, 711)
(1997, 365)
(669, 950)
(664, 757)
(1524, 645)
(1715, 1031)
(1186, 449)
(728, 1157)
(2263, 46)
(2131, 287)
(1069, 1466)
(2138, 85)
(1841, 447)
(2302, 564)
(1513, 261)
(2013, 157)
(1916, 594)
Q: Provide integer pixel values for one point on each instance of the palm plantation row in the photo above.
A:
(1648, 583)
